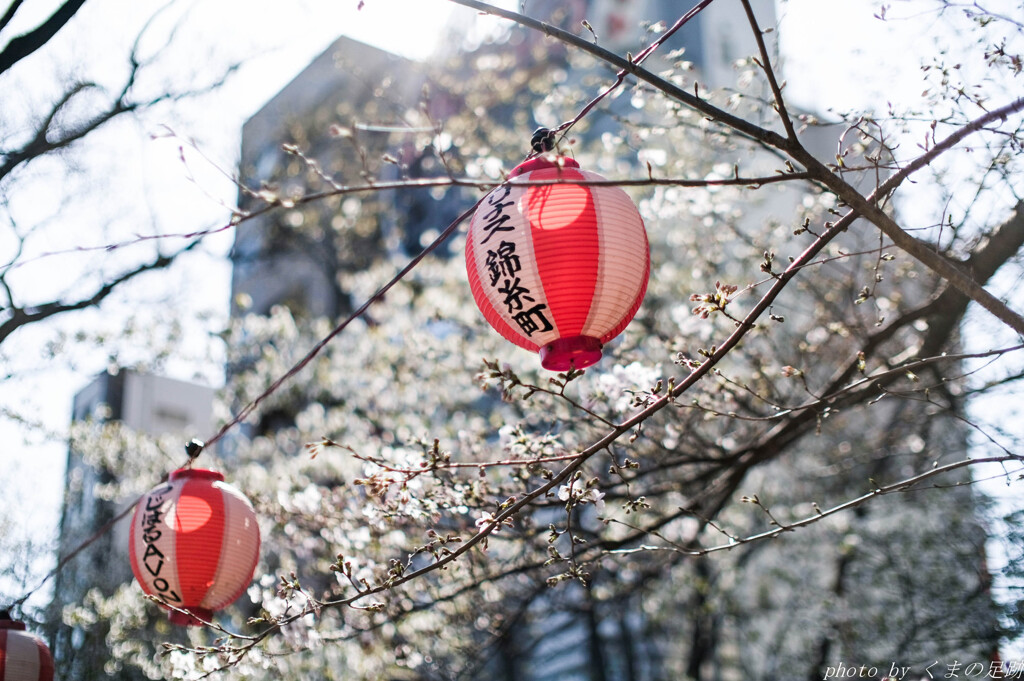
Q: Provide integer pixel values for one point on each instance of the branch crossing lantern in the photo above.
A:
(194, 543)
(23, 656)
(558, 268)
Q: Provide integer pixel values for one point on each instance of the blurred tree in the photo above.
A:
(42, 147)
(766, 477)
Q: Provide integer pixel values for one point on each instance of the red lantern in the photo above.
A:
(194, 543)
(23, 656)
(560, 268)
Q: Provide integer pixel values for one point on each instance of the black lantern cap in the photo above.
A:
(543, 140)
(194, 448)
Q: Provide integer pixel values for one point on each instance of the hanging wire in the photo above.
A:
(563, 130)
(195, 447)
(252, 406)
(77, 550)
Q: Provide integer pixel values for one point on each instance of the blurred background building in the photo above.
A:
(143, 403)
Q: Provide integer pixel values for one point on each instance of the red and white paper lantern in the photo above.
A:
(560, 268)
(194, 543)
(23, 656)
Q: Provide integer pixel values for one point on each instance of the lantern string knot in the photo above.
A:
(543, 140)
(194, 448)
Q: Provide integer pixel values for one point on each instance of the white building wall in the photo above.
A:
(156, 405)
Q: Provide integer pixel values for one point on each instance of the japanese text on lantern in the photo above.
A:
(495, 219)
(502, 266)
(154, 559)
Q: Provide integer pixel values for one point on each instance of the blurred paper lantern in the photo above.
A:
(194, 543)
(560, 268)
(23, 656)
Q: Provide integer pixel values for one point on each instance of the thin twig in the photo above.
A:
(901, 486)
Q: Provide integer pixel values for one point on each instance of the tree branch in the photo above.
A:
(1001, 245)
(41, 143)
(22, 316)
(745, 128)
(9, 14)
(866, 207)
(46, 140)
(922, 252)
(769, 72)
(902, 486)
(24, 45)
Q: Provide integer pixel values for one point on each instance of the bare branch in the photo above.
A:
(868, 207)
(743, 127)
(9, 14)
(1001, 245)
(42, 143)
(23, 316)
(24, 45)
(882, 490)
(766, 65)
(47, 139)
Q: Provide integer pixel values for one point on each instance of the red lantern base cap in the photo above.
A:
(197, 473)
(195, 619)
(575, 352)
(542, 163)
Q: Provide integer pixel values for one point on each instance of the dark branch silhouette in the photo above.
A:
(22, 46)
(17, 317)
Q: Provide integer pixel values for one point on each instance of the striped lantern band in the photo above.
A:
(194, 543)
(23, 656)
(558, 268)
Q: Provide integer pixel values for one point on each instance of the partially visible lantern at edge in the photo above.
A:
(194, 543)
(23, 656)
(560, 268)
